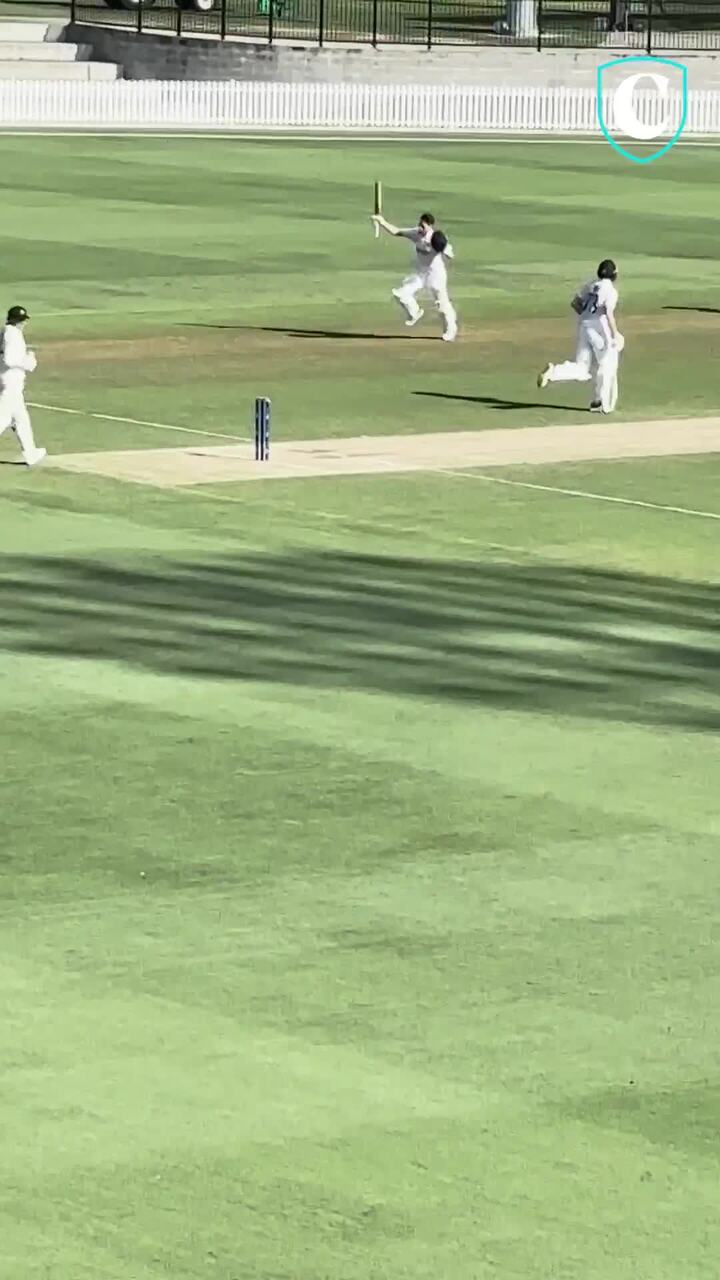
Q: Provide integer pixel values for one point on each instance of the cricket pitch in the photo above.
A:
(385, 455)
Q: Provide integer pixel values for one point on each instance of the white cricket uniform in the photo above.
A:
(16, 361)
(596, 353)
(430, 274)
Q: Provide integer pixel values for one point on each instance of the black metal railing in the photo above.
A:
(651, 26)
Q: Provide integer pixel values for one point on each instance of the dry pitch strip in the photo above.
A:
(384, 455)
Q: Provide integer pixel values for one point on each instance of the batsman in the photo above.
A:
(432, 253)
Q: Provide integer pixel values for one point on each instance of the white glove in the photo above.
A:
(31, 364)
(619, 343)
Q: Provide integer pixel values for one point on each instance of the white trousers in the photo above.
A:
(407, 293)
(13, 413)
(595, 357)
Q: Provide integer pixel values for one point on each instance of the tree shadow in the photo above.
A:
(710, 311)
(543, 638)
(494, 402)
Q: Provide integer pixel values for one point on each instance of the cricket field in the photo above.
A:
(360, 818)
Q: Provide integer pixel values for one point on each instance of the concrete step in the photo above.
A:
(58, 71)
(50, 52)
(33, 32)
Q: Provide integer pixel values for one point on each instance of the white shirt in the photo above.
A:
(598, 299)
(15, 359)
(428, 263)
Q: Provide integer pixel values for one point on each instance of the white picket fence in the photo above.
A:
(234, 104)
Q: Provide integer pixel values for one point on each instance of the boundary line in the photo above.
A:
(357, 135)
(582, 493)
(137, 422)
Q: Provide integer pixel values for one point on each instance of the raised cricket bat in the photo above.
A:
(378, 205)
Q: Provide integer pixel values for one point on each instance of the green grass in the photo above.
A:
(359, 836)
(174, 281)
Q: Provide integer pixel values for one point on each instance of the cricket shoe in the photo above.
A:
(35, 456)
(414, 319)
(449, 335)
(596, 407)
(544, 377)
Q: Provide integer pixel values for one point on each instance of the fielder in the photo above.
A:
(15, 363)
(599, 341)
(432, 252)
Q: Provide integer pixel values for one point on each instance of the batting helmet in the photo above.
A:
(438, 241)
(16, 315)
(607, 270)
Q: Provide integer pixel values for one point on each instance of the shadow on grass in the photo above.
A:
(541, 638)
(320, 333)
(494, 402)
(683, 1118)
(710, 311)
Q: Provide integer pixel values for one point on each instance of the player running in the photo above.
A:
(432, 252)
(599, 341)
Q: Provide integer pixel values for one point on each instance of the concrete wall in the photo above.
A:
(164, 57)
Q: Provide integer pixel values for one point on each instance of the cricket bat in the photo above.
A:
(378, 205)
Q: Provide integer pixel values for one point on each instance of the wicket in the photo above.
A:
(263, 408)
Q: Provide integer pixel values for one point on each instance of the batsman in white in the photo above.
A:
(432, 252)
(16, 361)
(599, 341)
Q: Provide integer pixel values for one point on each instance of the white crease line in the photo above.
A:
(372, 525)
(581, 493)
(516, 484)
(137, 422)
(182, 490)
